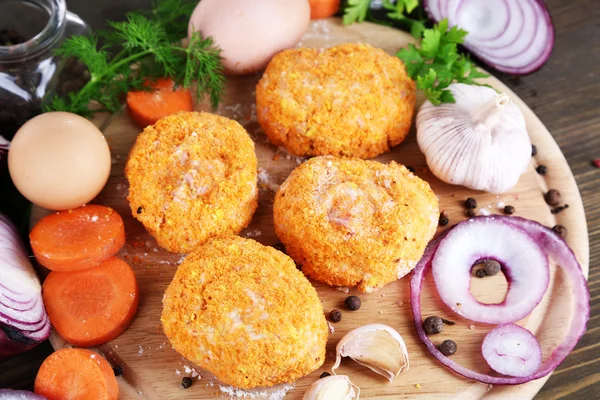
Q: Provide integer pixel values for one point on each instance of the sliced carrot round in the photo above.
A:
(74, 374)
(145, 108)
(77, 239)
(91, 306)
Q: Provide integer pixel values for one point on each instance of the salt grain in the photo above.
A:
(484, 211)
(331, 328)
(343, 289)
(471, 327)
(264, 179)
(275, 393)
(500, 204)
(140, 351)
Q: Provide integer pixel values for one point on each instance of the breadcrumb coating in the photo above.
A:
(192, 176)
(351, 222)
(244, 312)
(348, 100)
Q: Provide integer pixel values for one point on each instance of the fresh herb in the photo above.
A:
(139, 50)
(358, 11)
(437, 63)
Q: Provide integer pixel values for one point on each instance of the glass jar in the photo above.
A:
(30, 73)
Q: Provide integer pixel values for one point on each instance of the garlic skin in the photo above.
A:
(480, 142)
(334, 387)
(375, 346)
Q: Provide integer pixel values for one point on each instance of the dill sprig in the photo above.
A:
(143, 48)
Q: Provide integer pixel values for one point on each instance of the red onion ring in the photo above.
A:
(556, 248)
(523, 262)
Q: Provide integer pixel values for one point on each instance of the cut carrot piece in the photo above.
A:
(91, 306)
(77, 239)
(74, 374)
(323, 8)
(145, 108)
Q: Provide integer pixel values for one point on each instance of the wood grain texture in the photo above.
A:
(150, 364)
(564, 94)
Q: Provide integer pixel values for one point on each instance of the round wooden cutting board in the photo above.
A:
(153, 370)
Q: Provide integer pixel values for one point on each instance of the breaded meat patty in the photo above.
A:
(351, 222)
(244, 312)
(349, 100)
(192, 176)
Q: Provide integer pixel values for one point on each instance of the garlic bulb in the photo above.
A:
(480, 141)
(334, 387)
(376, 346)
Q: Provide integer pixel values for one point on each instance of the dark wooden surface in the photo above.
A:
(565, 94)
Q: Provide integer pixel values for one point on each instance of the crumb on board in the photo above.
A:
(471, 327)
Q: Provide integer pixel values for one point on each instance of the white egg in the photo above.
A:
(251, 32)
(59, 160)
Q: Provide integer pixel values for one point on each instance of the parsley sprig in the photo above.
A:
(437, 63)
(358, 11)
(144, 47)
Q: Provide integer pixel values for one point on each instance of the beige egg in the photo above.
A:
(251, 32)
(59, 160)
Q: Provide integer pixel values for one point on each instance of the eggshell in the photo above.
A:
(59, 160)
(251, 32)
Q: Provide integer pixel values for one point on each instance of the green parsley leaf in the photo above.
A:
(412, 59)
(438, 63)
(356, 11)
(431, 43)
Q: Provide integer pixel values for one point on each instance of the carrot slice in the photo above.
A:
(79, 238)
(323, 8)
(145, 108)
(73, 374)
(91, 306)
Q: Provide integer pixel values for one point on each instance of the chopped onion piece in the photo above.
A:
(512, 350)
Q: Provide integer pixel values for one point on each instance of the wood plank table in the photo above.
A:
(565, 95)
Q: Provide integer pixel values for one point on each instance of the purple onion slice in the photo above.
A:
(555, 248)
(512, 350)
(512, 36)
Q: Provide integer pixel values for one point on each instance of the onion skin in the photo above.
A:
(10, 347)
(556, 248)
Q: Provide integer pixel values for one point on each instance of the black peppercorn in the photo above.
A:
(324, 375)
(433, 325)
(139, 210)
(186, 382)
(443, 221)
(560, 230)
(448, 347)
(335, 315)
(541, 169)
(470, 213)
(533, 150)
(471, 203)
(491, 267)
(480, 273)
(352, 303)
(509, 210)
(552, 197)
(118, 370)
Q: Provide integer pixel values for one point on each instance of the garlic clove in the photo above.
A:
(334, 387)
(375, 346)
